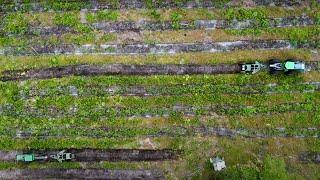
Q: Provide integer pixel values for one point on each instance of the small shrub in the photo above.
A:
(176, 18)
(155, 15)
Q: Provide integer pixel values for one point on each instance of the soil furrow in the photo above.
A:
(198, 24)
(310, 157)
(80, 174)
(122, 69)
(117, 69)
(9, 6)
(132, 49)
(88, 155)
(122, 26)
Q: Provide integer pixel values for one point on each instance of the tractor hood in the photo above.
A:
(289, 65)
(294, 65)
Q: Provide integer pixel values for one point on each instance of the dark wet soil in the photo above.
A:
(87, 155)
(168, 25)
(310, 157)
(80, 174)
(180, 131)
(132, 49)
(117, 69)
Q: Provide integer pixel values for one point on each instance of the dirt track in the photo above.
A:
(122, 69)
(117, 69)
(80, 174)
(123, 26)
(156, 49)
(310, 157)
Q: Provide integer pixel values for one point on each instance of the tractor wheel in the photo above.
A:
(274, 72)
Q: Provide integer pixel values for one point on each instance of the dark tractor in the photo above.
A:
(290, 66)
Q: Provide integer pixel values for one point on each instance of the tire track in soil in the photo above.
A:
(122, 26)
(157, 49)
(80, 174)
(113, 155)
(9, 6)
(123, 69)
(180, 131)
(310, 157)
(117, 69)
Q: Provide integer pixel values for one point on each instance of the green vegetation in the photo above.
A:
(66, 19)
(106, 15)
(71, 19)
(179, 112)
(176, 18)
(15, 23)
(274, 168)
(317, 18)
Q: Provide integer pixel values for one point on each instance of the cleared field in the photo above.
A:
(153, 89)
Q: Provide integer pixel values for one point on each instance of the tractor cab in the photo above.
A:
(30, 158)
(25, 157)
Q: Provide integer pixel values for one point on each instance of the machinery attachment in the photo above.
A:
(251, 67)
(62, 156)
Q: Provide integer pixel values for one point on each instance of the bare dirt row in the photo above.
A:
(80, 174)
(9, 6)
(175, 131)
(117, 69)
(122, 69)
(310, 157)
(295, 21)
(132, 49)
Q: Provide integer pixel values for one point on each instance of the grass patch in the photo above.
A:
(105, 15)
(21, 62)
(15, 23)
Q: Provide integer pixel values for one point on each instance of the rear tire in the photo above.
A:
(290, 73)
(273, 71)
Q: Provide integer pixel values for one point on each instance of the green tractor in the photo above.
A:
(30, 158)
(290, 66)
(60, 156)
